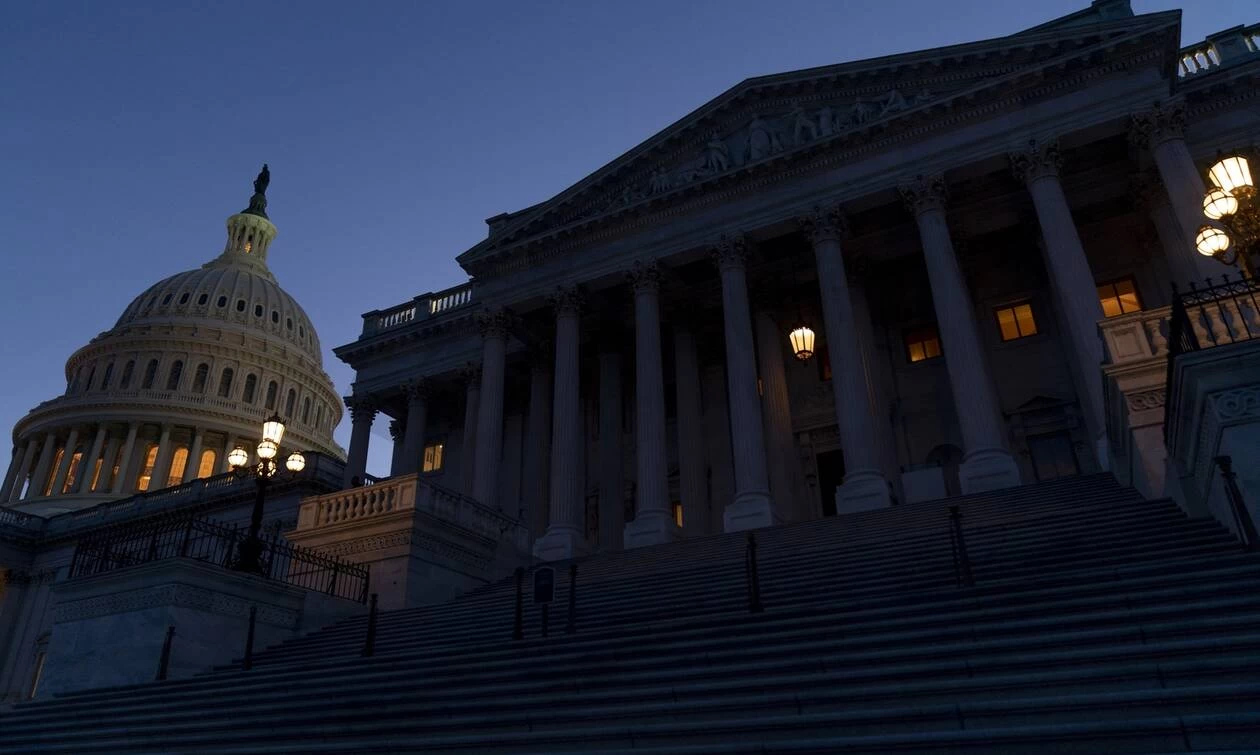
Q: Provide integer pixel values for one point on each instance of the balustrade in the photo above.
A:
(422, 307)
(1219, 49)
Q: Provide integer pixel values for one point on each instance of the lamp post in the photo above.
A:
(249, 558)
(1232, 208)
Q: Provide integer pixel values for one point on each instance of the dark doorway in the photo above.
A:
(830, 475)
(1052, 456)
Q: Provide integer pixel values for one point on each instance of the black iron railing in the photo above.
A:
(215, 543)
(1218, 314)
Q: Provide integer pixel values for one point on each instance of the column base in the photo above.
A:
(560, 543)
(1102, 450)
(990, 469)
(863, 491)
(650, 528)
(749, 511)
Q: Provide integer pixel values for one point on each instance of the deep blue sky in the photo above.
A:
(130, 130)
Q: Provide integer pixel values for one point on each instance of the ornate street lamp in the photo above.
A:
(1231, 206)
(249, 558)
(802, 338)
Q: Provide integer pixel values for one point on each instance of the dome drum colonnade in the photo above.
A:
(191, 367)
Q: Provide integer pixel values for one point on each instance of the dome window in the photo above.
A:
(183, 299)
(258, 310)
(128, 370)
(301, 332)
(109, 374)
(240, 305)
(272, 389)
(222, 302)
(201, 300)
(150, 374)
(166, 299)
(275, 316)
(290, 403)
(152, 301)
(288, 323)
(251, 385)
(306, 410)
(199, 378)
(172, 380)
(225, 382)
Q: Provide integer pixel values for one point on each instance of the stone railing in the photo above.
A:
(1136, 337)
(1219, 49)
(409, 494)
(424, 306)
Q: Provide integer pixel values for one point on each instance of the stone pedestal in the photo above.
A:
(108, 629)
(424, 544)
(987, 469)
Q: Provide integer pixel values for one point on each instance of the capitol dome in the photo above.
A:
(189, 371)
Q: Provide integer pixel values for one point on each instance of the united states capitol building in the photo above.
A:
(959, 336)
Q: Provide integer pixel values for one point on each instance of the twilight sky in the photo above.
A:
(130, 130)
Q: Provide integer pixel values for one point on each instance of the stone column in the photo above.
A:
(1074, 284)
(692, 481)
(564, 537)
(396, 434)
(612, 510)
(124, 483)
(39, 479)
(878, 382)
(87, 467)
(987, 464)
(15, 461)
(538, 446)
(471, 376)
(786, 481)
(104, 482)
(67, 458)
(417, 392)
(194, 455)
(24, 470)
(864, 485)
(362, 414)
(752, 507)
(494, 327)
(653, 519)
(162, 464)
(1163, 131)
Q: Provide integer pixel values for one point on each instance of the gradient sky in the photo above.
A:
(130, 130)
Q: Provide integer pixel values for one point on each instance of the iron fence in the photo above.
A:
(214, 543)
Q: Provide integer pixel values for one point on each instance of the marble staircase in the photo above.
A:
(1099, 622)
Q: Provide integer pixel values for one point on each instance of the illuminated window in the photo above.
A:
(1016, 321)
(249, 247)
(922, 343)
(128, 370)
(678, 513)
(200, 377)
(150, 374)
(225, 382)
(52, 471)
(73, 474)
(146, 470)
(251, 385)
(96, 475)
(432, 458)
(205, 467)
(178, 463)
(1119, 298)
(177, 371)
(272, 390)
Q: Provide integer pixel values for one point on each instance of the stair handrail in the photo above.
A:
(1242, 515)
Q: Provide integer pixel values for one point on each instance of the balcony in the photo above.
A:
(424, 307)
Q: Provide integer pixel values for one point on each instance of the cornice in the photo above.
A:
(403, 336)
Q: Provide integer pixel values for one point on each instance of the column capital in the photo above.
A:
(567, 300)
(494, 323)
(361, 406)
(395, 430)
(644, 276)
(824, 223)
(470, 375)
(416, 389)
(1164, 122)
(729, 252)
(1038, 160)
(924, 194)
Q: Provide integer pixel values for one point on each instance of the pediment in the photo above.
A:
(774, 120)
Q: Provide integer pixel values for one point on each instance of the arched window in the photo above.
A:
(172, 379)
(91, 378)
(73, 387)
(272, 389)
(306, 410)
(150, 374)
(179, 461)
(200, 377)
(128, 370)
(290, 404)
(72, 474)
(146, 469)
(109, 375)
(225, 382)
(251, 384)
(205, 468)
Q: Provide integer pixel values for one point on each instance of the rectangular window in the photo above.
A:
(432, 458)
(922, 343)
(1016, 321)
(678, 513)
(1119, 297)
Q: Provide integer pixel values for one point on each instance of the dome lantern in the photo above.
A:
(250, 231)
